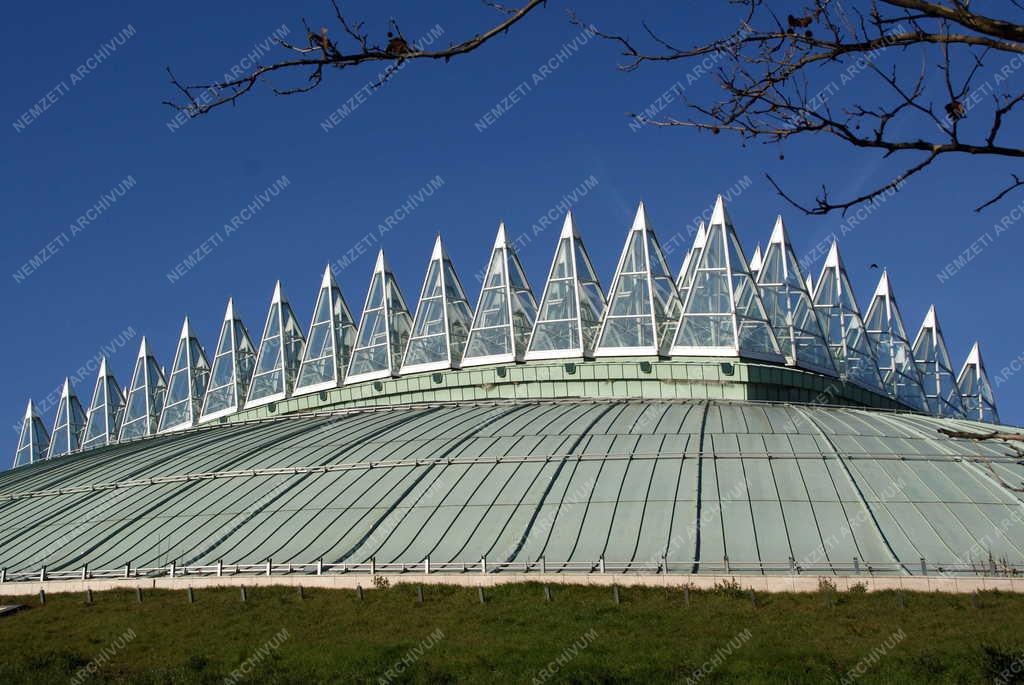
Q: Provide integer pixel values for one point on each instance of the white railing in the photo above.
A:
(600, 566)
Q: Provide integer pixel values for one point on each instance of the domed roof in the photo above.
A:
(703, 485)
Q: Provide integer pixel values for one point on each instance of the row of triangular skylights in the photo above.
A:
(719, 305)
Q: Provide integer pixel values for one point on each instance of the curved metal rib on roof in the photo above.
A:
(643, 303)
(332, 334)
(723, 313)
(383, 328)
(976, 390)
(505, 311)
(33, 440)
(932, 356)
(572, 304)
(145, 397)
(186, 386)
(788, 305)
(885, 328)
(690, 261)
(233, 364)
(105, 410)
(443, 318)
(844, 329)
(68, 425)
(280, 354)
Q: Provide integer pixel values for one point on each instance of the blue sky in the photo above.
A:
(338, 180)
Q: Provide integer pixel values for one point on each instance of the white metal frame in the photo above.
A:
(340, 359)
(69, 404)
(278, 303)
(239, 386)
(720, 221)
(36, 452)
(570, 234)
(834, 261)
(981, 380)
(194, 368)
(780, 240)
(151, 387)
(640, 226)
(932, 378)
(509, 258)
(111, 422)
(890, 376)
(382, 269)
(439, 256)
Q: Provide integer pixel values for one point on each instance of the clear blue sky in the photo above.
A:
(567, 127)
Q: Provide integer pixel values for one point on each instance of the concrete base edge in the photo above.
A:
(965, 584)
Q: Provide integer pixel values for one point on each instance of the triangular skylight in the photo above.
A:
(932, 356)
(233, 365)
(69, 424)
(979, 400)
(756, 260)
(723, 313)
(443, 318)
(104, 411)
(277, 363)
(186, 386)
(383, 328)
(505, 312)
(33, 441)
(570, 311)
(332, 333)
(145, 397)
(689, 268)
(895, 357)
(844, 329)
(789, 307)
(643, 303)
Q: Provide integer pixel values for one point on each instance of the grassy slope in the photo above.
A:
(651, 637)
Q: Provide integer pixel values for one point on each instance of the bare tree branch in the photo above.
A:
(321, 51)
(1007, 439)
(767, 64)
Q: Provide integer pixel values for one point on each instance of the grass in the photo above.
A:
(581, 636)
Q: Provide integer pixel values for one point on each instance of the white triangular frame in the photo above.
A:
(196, 372)
(520, 306)
(944, 407)
(454, 329)
(895, 339)
(779, 241)
(840, 350)
(580, 288)
(980, 400)
(70, 421)
(32, 437)
(153, 387)
(107, 405)
(662, 331)
(235, 348)
(397, 325)
(721, 222)
(291, 343)
(341, 337)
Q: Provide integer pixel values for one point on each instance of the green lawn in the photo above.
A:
(581, 636)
